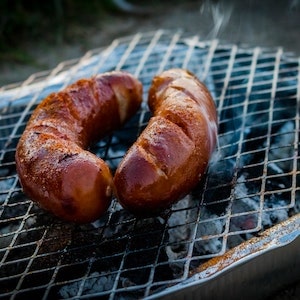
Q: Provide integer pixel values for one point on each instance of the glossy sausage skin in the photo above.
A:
(172, 153)
(53, 164)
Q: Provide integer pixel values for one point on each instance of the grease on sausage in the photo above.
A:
(54, 166)
(172, 153)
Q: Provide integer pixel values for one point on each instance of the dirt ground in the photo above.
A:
(256, 23)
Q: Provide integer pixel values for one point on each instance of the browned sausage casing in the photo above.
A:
(53, 167)
(173, 151)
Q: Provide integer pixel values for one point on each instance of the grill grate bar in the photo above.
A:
(105, 54)
(241, 139)
(18, 286)
(233, 53)
(84, 278)
(13, 241)
(296, 141)
(220, 109)
(170, 48)
(252, 182)
(129, 50)
(147, 52)
(52, 280)
(116, 281)
(192, 42)
(155, 264)
(194, 230)
(269, 130)
(209, 59)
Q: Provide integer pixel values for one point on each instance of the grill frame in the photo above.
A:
(49, 248)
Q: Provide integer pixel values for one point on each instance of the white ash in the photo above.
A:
(282, 148)
(180, 230)
(95, 284)
(276, 213)
(241, 191)
(30, 222)
(180, 217)
(276, 169)
(5, 186)
(179, 233)
(247, 213)
(7, 233)
(241, 205)
(214, 226)
(114, 228)
(252, 205)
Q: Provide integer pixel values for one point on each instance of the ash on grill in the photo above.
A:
(251, 184)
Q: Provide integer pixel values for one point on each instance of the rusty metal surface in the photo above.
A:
(255, 269)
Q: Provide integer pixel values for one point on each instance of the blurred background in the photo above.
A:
(37, 35)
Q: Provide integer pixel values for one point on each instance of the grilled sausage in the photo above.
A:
(172, 153)
(54, 166)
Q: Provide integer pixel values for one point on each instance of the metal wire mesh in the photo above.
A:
(252, 182)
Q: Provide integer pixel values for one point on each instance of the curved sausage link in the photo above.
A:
(172, 153)
(53, 164)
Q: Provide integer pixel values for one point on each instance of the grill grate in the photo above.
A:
(252, 182)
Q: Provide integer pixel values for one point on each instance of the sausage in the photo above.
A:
(55, 168)
(172, 153)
